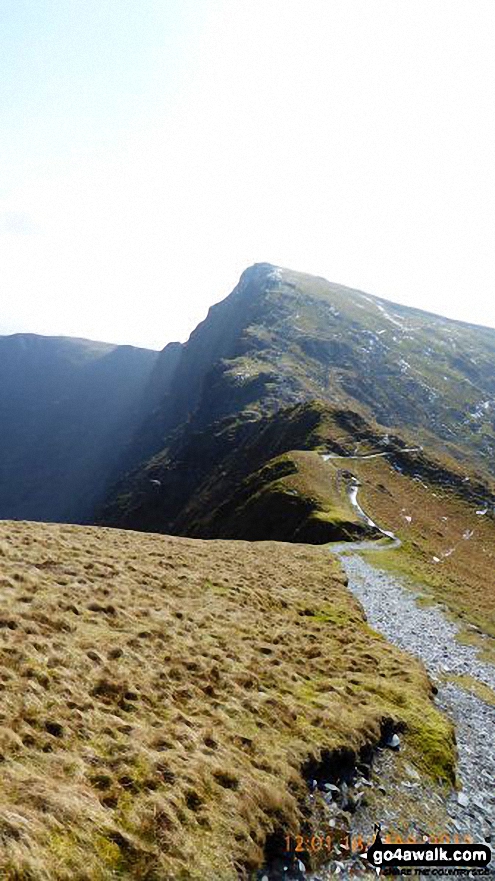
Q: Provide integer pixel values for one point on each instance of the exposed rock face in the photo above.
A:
(284, 336)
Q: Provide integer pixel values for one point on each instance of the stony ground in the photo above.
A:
(393, 793)
(425, 632)
(392, 610)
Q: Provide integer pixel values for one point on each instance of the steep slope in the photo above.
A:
(68, 408)
(76, 416)
(283, 338)
(235, 479)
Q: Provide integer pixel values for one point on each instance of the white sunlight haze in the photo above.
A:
(151, 151)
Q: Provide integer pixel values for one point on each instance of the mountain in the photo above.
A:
(283, 337)
(67, 409)
(192, 694)
(177, 441)
(281, 341)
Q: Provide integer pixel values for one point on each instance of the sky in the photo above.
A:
(151, 151)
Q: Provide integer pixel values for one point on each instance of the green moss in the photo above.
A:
(110, 853)
(63, 844)
(425, 602)
(70, 850)
(431, 736)
(333, 516)
(339, 617)
(484, 644)
(217, 589)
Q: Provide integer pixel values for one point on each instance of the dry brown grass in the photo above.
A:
(160, 697)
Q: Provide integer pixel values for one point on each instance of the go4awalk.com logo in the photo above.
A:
(444, 859)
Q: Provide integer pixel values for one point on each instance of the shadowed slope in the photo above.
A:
(285, 340)
(68, 408)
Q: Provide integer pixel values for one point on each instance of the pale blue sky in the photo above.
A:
(150, 151)
(77, 74)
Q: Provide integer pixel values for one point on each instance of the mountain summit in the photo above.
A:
(78, 416)
(283, 337)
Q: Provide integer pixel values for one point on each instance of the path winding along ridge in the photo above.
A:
(392, 610)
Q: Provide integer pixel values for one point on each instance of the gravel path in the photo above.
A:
(392, 610)
(426, 633)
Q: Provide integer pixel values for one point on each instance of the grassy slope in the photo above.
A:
(404, 366)
(161, 696)
(448, 549)
(442, 526)
(314, 480)
(284, 338)
(207, 477)
(294, 497)
(220, 482)
(265, 479)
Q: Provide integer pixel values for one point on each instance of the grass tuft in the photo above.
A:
(169, 737)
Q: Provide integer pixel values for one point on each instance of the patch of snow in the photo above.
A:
(390, 317)
(482, 409)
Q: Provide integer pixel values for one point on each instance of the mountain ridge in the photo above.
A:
(298, 339)
(280, 339)
(175, 705)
